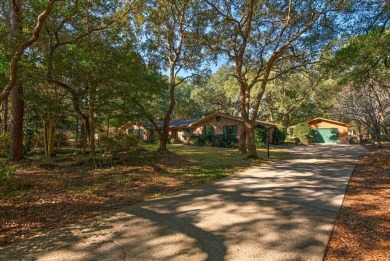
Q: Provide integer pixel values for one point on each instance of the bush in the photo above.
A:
(260, 135)
(28, 140)
(385, 138)
(354, 140)
(6, 175)
(290, 139)
(4, 144)
(227, 142)
(119, 143)
(218, 140)
(171, 140)
(303, 132)
(279, 136)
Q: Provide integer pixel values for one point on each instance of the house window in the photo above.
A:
(229, 132)
(208, 132)
(140, 133)
(130, 131)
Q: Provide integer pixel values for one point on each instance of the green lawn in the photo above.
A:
(208, 163)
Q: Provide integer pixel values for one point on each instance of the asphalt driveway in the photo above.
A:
(282, 211)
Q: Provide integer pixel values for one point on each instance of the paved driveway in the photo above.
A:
(282, 211)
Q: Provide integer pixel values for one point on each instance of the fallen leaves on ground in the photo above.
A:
(56, 192)
(362, 230)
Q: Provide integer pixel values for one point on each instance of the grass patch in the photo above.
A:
(210, 163)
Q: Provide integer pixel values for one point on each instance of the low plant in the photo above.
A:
(260, 136)
(4, 144)
(216, 140)
(279, 135)
(303, 132)
(6, 175)
(294, 140)
(119, 143)
(385, 138)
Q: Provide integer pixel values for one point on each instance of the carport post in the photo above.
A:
(268, 129)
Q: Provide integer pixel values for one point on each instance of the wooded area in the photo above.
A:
(75, 71)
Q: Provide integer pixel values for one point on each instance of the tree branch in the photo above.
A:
(20, 51)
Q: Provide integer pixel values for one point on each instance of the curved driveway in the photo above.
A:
(282, 211)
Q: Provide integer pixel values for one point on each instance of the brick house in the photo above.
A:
(329, 131)
(181, 130)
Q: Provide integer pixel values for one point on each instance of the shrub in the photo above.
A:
(354, 140)
(221, 140)
(119, 143)
(4, 144)
(197, 140)
(303, 132)
(279, 136)
(6, 175)
(385, 138)
(260, 135)
(290, 139)
(28, 140)
(217, 140)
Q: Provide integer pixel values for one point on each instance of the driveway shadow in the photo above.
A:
(282, 211)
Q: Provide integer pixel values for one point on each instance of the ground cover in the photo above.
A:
(362, 230)
(55, 192)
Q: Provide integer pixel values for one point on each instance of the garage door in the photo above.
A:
(325, 135)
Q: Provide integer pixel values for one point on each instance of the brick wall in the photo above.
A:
(218, 125)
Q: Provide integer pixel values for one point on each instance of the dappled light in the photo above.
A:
(284, 210)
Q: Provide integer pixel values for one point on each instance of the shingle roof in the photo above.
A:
(331, 121)
(173, 123)
(265, 123)
(180, 123)
(188, 123)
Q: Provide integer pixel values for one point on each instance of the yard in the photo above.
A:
(50, 193)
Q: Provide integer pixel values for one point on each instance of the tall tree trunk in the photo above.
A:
(4, 116)
(167, 117)
(17, 104)
(17, 110)
(242, 139)
(46, 137)
(52, 130)
(250, 140)
(92, 96)
(49, 127)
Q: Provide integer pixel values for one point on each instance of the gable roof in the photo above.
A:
(180, 123)
(235, 118)
(189, 123)
(331, 121)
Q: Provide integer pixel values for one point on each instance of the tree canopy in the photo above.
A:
(92, 66)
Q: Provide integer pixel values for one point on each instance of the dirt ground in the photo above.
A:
(63, 190)
(49, 193)
(362, 230)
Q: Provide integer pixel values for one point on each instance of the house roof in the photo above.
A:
(188, 123)
(259, 122)
(180, 123)
(331, 121)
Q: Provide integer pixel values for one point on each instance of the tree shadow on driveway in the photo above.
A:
(282, 211)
